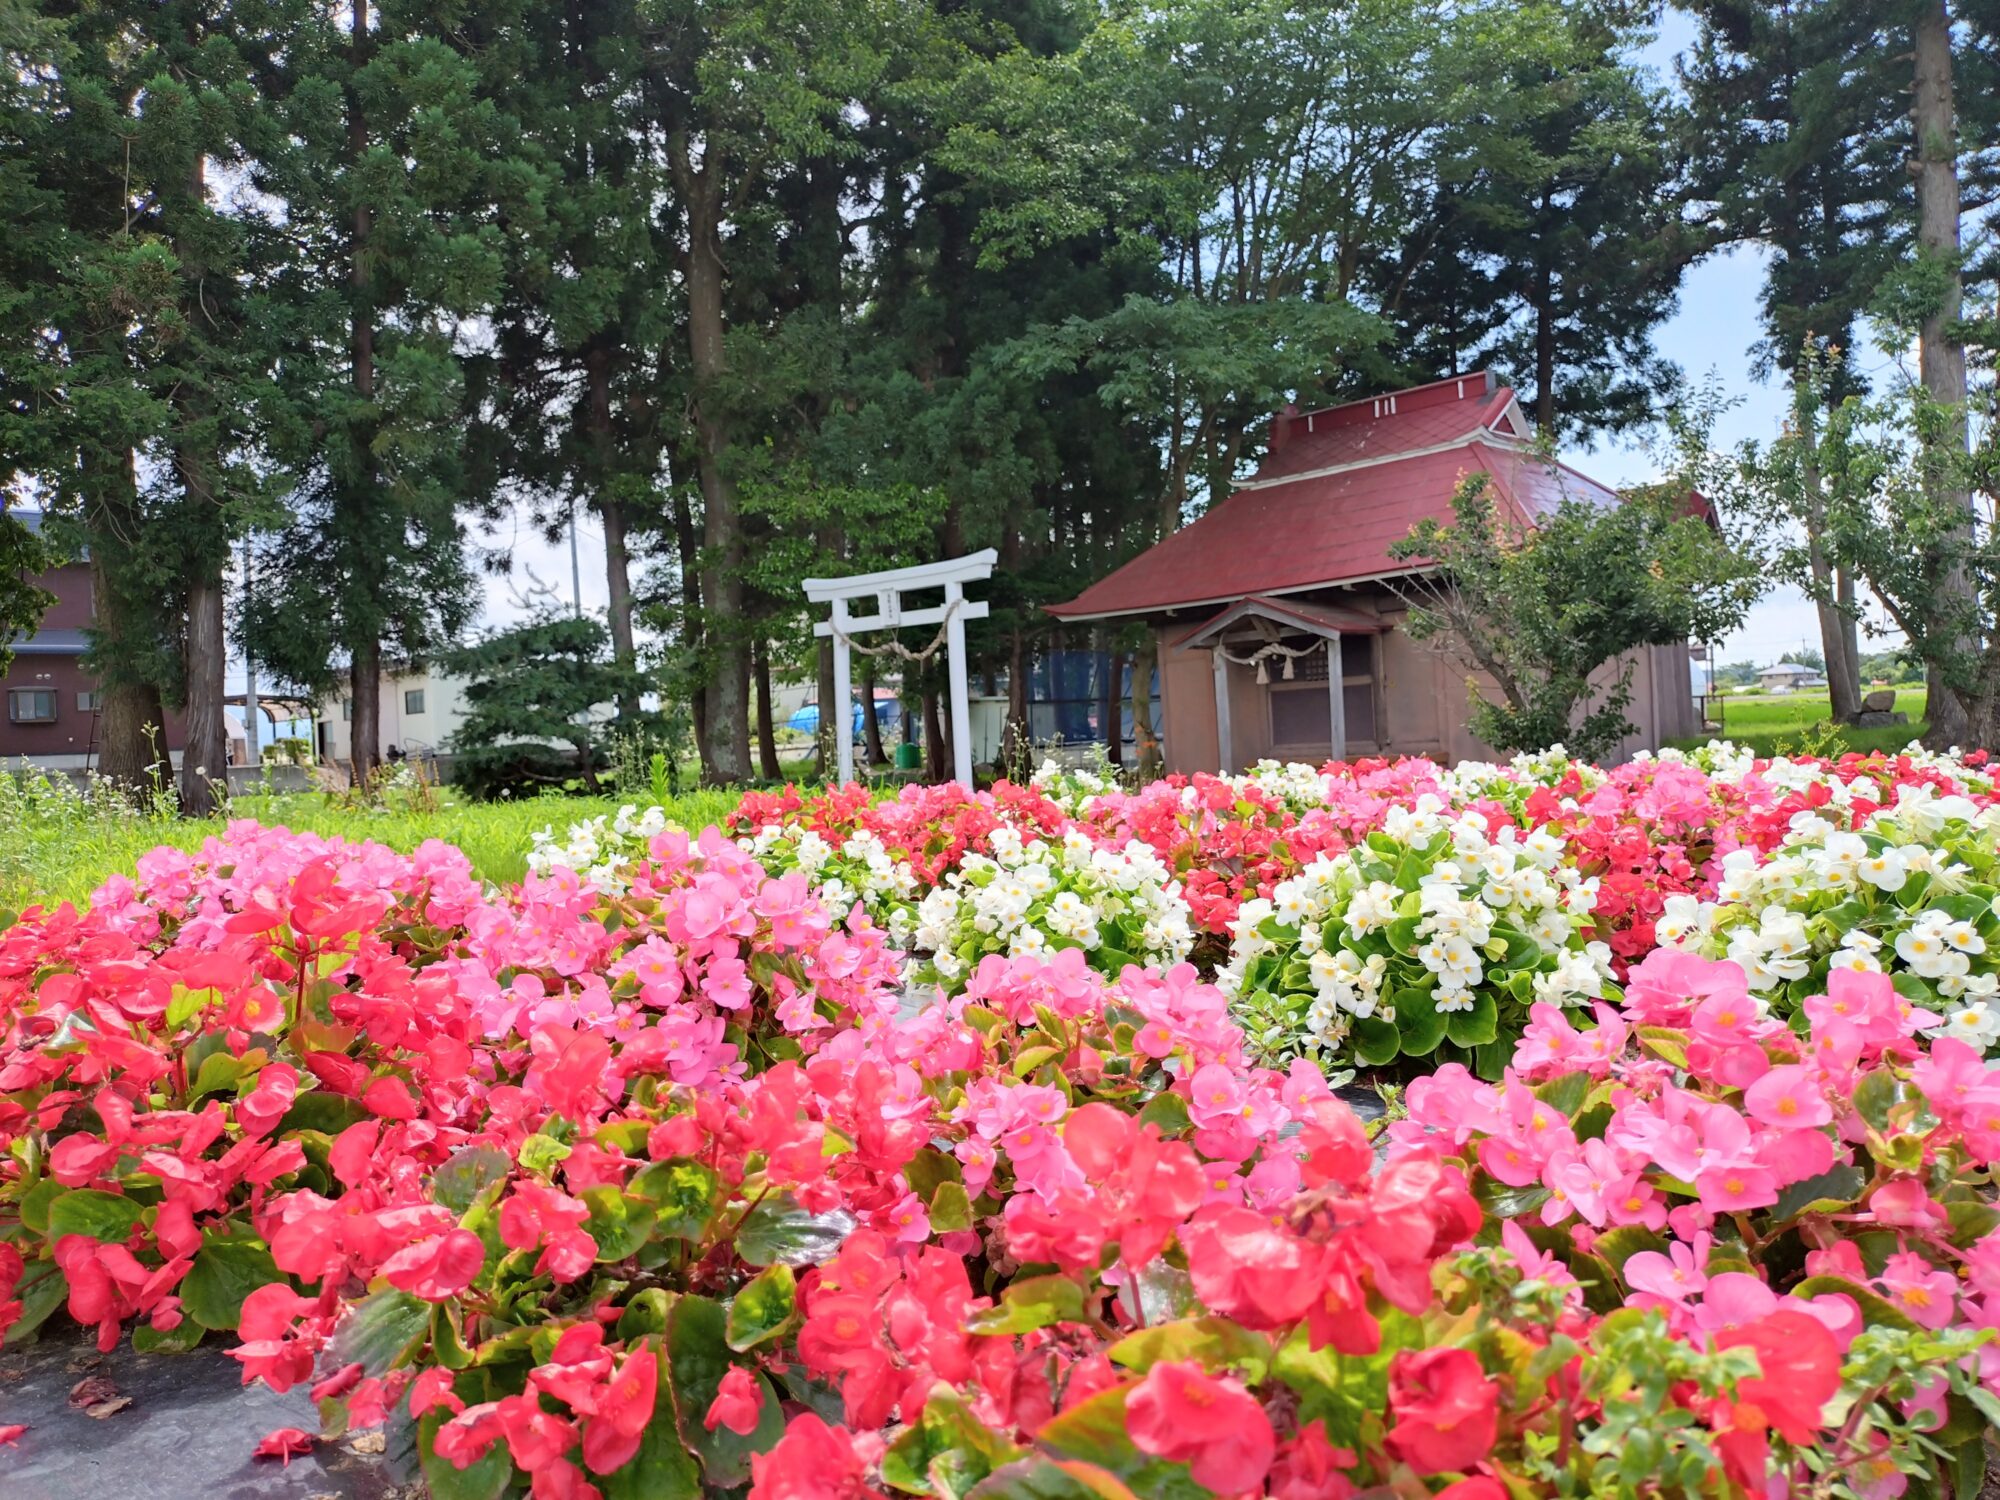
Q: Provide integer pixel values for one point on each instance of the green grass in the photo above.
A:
(1771, 724)
(60, 849)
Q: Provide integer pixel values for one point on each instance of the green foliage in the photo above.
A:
(22, 600)
(1540, 610)
(1886, 486)
(538, 688)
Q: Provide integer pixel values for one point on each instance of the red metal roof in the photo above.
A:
(1295, 527)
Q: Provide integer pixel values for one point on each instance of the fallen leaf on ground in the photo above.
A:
(91, 1390)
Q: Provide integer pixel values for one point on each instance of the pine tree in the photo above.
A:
(1557, 243)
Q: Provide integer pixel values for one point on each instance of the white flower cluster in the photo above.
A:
(860, 868)
(598, 849)
(1299, 787)
(1910, 893)
(1032, 896)
(1476, 780)
(1072, 787)
(1453, 885)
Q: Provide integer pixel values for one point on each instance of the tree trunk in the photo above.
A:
(1941, 357)
(1111, 706)
(1843, 683)
(825, 746)
(130, 735)
(365, 729)
(1016, 736)
(689, 548)
(1145, 743)
(934, 746)
(728, 719)
(1545, 336)
(364, 644)
(205, 758)
(767, 738)
(597, 362)
(871, 722)
(1850, 627)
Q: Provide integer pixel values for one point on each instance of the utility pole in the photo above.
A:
(250, 712)
(575, 573)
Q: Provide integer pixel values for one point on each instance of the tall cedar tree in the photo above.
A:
(394, 185)
(575, 393)
(1556, 242)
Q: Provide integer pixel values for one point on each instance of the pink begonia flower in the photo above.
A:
(1795, 1155)
(1732, 1298)
(1215, 1095)
(1668, 1280)
(1539, 1265)
(1736, 1189)
(1449, 1104)
(908, 1221)
(1667, 984)
(1581, 1178)
(1903, 1204)
(978, 1159)
(1841, 1258)
(1789, 1097)
(1925, 1294)
(725, 981)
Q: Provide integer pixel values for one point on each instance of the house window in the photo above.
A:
(413, 700)
(347, 708)
(31, 705)
(89, 702)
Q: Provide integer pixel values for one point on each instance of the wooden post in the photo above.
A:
(836, 718)
(961, 703)
(1225, 752)
(1336, 687)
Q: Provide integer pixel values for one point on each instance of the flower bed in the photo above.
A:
(796, 1158)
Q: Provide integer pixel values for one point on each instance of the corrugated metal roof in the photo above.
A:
(1297, 527)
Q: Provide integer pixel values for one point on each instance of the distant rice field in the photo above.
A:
(1773, 723)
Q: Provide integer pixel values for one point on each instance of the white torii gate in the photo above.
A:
(888, 588)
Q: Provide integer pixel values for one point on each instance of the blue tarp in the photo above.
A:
(806, 720)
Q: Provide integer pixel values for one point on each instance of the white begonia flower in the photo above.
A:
(1976, 1023)
(1964, 937)
(1682, 919)
(1886, 870)
(1923, 948)
(1373, 907)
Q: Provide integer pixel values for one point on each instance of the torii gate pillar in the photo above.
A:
(888, 588)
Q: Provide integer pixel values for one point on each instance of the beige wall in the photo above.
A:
(1421, 706)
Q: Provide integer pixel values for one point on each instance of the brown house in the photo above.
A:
(51, 697)
(1253, 604)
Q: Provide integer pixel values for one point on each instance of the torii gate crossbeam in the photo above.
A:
(888, 588)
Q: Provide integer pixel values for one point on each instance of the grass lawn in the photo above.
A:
(50, 854)
(1772, 724)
